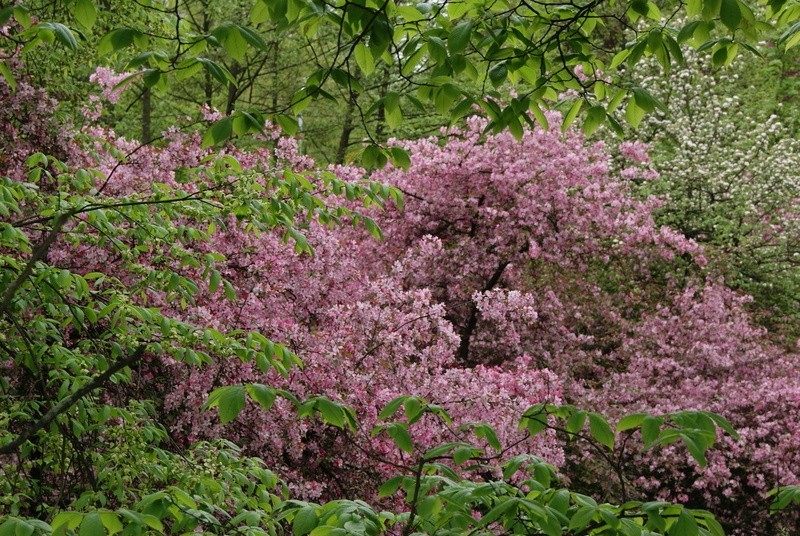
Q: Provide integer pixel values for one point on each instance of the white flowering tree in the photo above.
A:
(730, 172)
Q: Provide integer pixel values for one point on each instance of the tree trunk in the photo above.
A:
(147, 132)
(348, 125)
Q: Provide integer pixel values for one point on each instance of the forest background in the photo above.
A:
(458, 267)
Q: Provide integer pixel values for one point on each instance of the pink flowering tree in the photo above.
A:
(548, 308)
(512, 234)
(701, 350)
(536, 248)
(515, 280)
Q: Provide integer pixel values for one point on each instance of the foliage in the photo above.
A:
(92, 251)
(525, 499)
(433, 48)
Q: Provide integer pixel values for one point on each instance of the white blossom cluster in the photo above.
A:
(730, 172)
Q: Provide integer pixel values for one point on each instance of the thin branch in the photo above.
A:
(68, 402)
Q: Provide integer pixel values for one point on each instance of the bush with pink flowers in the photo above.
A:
(520, 273)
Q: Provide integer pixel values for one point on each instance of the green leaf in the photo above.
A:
(214, 281)
(543, 474)
(253, 39)
(713, 526)
(230, 292)
(277, 8)
(462, 454)
(633, 113)
(685, 525)
(487, 432)
(397, 431)
(85, 12)
(514, 126)
(331, 412)
(116, 40)
(674, 49)
(389, 487)
(20, 13)
(645, 100)
(653, 13)
(498, 73)
(17, 527)
(696, 449)
(455, 10)
(217, 72)
(246, 122)
(730, 14)
(720, 421)
(263, 395)
(791, 37)
(392, 407)
(92, 526)
(551, 524)
(305, 520)
(687, 32)
(619, 57)
(437, 49)
(651, 428)
(576, 421)
(400, 158)
(153, 522)
(8, 76)
(539, 115)
(412, 62)
(364, 59)
(571, 115)
(111, 522)
(720, 56)
(631, 421)
(639, 6)
(637, 51)
(67, 520)
(9, 527)
(62, 34)
(459, 37)
(371, 156)
(600, 430)
(710, 9)
(594, 118)
(536, 423)
(582, 517)
(288, 124)
(507, 506)
(392, 112)
(346, 80)
(327, 530)
(259, 12)
(230, 403)
(151, 77)
(231, 40)
(218, 132)
(784, 496)
(413, 409)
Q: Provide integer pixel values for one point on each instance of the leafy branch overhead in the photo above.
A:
(511, 59)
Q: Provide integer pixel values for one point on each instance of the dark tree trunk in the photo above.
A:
(472, 320)
(147, 129)
(348, 125)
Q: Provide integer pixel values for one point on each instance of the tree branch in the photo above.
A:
(68, 402)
